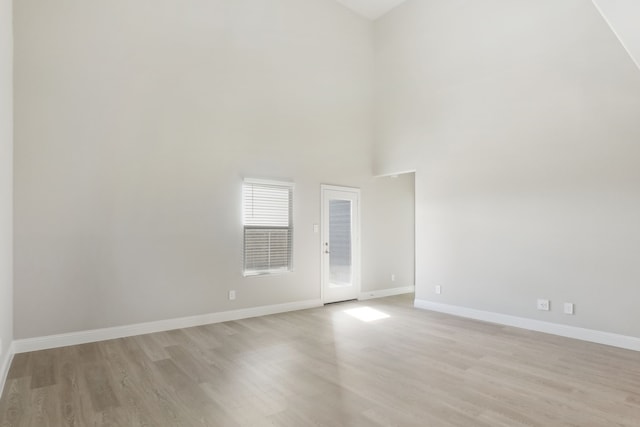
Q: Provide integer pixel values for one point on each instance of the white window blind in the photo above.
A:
(268, 226)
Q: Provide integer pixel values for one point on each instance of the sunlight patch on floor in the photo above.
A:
(366, 314)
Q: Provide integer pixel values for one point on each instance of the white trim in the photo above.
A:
(4, 367)
(340, 188)
(269, 182)
(395, 174)
(83, 337)
(591, 335)
(381, 293)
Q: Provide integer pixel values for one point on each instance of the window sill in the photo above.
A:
(265, 273)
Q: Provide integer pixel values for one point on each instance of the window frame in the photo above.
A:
(288, 185)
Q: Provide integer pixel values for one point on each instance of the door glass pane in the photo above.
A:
(340, 268)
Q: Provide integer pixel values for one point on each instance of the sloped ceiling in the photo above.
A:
(623, 16)
(371, 9)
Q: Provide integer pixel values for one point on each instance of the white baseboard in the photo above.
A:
(386, 292)
(5, 363)
(83, 337)
(591, 335)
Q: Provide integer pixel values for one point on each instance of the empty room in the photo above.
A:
(319, 213)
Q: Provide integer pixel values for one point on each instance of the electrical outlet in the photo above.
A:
(232, 295)
(393, 277)
(568, 308)
(438, 289)
(544, 305)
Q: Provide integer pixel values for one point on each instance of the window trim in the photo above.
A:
(277, 183)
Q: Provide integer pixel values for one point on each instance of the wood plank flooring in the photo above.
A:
(323, 367)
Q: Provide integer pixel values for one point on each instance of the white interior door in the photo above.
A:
(340, 243)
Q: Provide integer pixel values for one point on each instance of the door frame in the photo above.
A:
(355, 243)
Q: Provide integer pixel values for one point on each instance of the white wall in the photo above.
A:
(6, 180)
(135, 124)
(388, 243)
(521, 118)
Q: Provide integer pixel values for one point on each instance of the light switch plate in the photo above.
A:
(568, 308)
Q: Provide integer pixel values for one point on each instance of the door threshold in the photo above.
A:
(340, 302)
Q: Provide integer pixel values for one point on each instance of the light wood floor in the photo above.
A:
(322, 367)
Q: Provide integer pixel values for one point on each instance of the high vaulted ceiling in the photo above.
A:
(621, 15)
(372, 9)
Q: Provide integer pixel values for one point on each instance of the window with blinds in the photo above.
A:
(268, 226)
